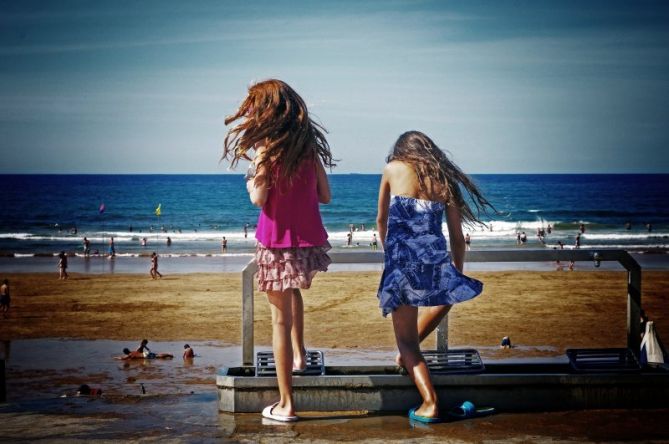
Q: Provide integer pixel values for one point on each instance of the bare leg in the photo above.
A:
(428, 321)
(282, 323)
(297, 332)
(405, 319)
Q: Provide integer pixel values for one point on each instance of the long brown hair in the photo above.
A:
(276, 117)
(438, 175)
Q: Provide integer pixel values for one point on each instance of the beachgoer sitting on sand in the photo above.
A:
(127, 354)
(86, 390)
(506, 342)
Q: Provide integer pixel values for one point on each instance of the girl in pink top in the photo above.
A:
(287, 180)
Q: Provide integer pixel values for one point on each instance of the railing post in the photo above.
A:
(634, 310)
(247, 313)
(3, 382)
(442, 334)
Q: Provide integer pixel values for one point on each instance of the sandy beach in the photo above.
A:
(556, 309)
(543, 313)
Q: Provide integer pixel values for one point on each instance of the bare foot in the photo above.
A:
(429, 411)
(300, 361)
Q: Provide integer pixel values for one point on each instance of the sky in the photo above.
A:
(503, 87)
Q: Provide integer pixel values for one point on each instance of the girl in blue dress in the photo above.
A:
(419, 184)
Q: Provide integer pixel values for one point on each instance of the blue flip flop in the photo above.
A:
(423, 419)
(468, 410)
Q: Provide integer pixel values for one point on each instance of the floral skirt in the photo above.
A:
(283, 268)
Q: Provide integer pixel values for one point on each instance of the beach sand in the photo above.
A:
(542, 312)
(536, 309)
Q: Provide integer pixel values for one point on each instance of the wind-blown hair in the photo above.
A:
(276, 117)
(437, 175)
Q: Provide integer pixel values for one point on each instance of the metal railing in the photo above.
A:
(580, 255)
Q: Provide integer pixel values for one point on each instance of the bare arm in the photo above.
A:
(322, 183)
(382, 212)
(257, 186)
(457, 239)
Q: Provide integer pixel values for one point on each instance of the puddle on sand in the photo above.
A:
(48, 368)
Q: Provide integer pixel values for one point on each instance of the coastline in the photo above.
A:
(235, 263)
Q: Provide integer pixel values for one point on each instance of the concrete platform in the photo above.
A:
(508, 387)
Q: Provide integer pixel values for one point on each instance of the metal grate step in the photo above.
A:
(265, 365)
(596, 360)
(466, 360)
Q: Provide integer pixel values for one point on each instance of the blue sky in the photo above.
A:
(505, 87)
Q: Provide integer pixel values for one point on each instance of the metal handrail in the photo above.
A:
(525, 255)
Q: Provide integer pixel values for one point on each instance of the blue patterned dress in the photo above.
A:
(418, 270)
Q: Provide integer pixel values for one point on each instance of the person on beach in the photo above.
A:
(224, 245)
(581, 228)
(127, 354)
(87, 247)
(188, 352)
(577, 242)
(155, 274)
(112, 249)
(468, 241)
(169, 241)
(144, 347)
(5, 299)
(349, 238)
(420, 184)
(375, 242)
(246, 231)
(291, 154)
(62, 266)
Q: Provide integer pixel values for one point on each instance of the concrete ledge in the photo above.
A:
(541, 388)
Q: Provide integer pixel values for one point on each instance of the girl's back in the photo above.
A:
(403, 181)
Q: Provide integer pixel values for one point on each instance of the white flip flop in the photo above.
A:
(267, 413)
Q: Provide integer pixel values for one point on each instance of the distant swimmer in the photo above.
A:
(649, 226)
(517, 237)
(169, 241)
(349, 238)
(628, 225)
(143, 242)
(549, 229)
(246, 231)
(577, 244)
(523, 237)
(581, 228)
(468, 241)
(188, 352)
(87, 247)
(224, 245)
(561, 245)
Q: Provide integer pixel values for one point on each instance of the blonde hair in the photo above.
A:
(438, 175)
(276, 117)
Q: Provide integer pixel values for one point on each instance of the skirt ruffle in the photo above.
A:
(283, 268)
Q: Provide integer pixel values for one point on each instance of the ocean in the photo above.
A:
(42, 215)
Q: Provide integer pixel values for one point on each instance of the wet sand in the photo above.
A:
(543, 313)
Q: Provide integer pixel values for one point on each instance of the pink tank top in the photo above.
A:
(291, 216)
